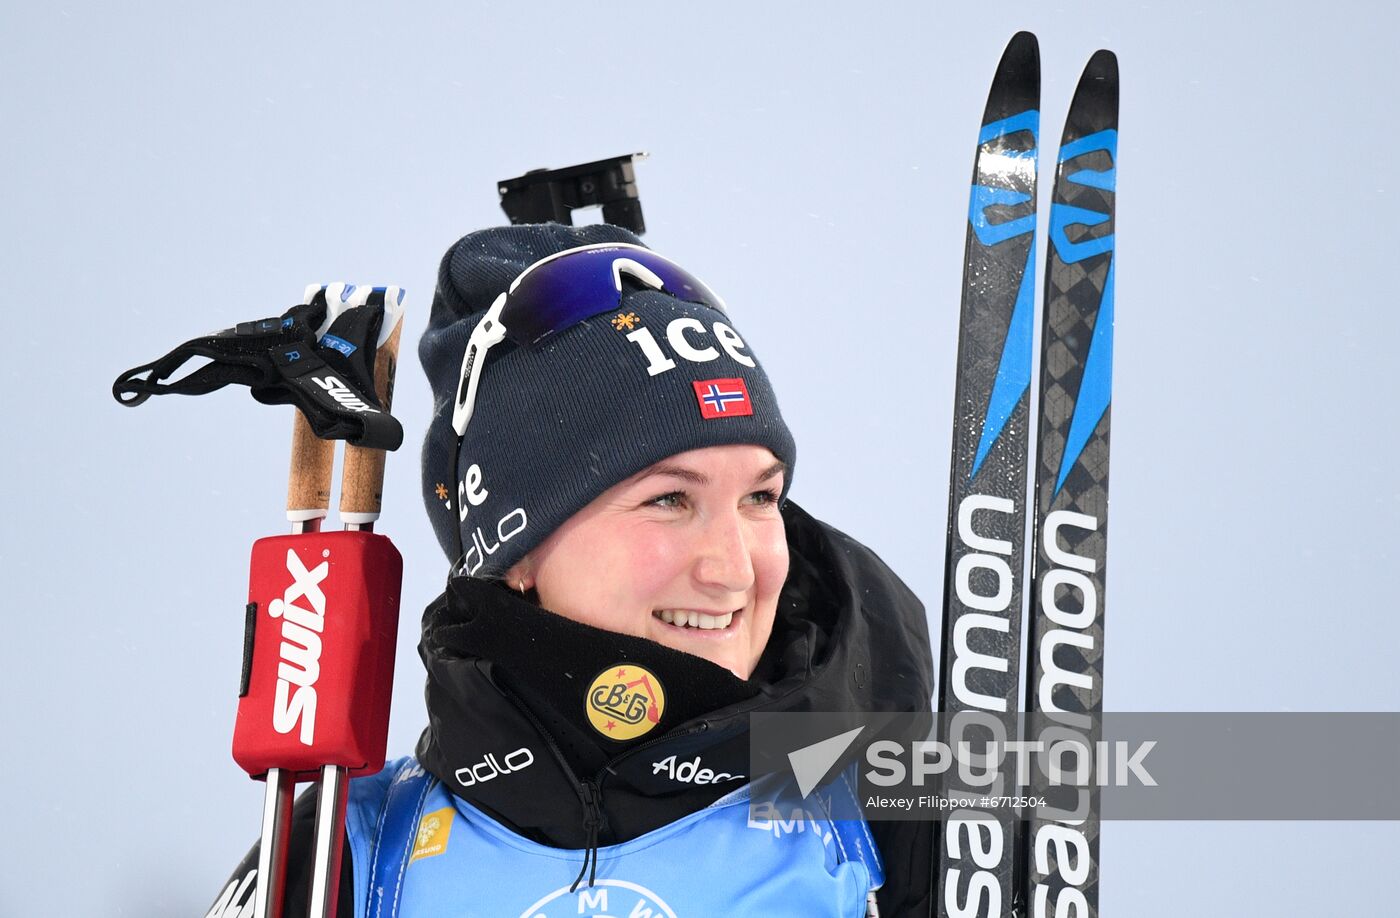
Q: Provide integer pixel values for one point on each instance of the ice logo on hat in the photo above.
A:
(604, 899)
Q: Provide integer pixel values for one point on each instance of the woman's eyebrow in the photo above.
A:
(701, 479)
(676, 471)
(776, 468)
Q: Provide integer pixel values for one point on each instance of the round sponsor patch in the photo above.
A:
(625, 701)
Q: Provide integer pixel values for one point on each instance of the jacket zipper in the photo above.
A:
(590, 790)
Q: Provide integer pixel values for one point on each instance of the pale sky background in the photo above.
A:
(174, 168)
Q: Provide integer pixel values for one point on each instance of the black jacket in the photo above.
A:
(502, 674)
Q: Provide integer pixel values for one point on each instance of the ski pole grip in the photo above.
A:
(309, 481)
(313, 459)
(362, 478)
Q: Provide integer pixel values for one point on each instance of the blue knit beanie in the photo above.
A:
(559, 422)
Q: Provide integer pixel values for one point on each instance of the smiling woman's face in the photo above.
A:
(690, 553)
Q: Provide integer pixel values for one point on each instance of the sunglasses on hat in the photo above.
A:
(560, 291)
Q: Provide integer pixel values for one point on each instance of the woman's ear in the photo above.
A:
(521, 576)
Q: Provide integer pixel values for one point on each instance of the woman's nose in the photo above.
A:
(724, 559)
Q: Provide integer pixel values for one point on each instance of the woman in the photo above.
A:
(608, 469)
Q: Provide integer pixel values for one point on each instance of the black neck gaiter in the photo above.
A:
(548, 662)
(505, 673)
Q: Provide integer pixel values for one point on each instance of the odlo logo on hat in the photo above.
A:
(625, 702)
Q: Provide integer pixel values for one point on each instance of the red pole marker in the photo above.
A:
(319, 647)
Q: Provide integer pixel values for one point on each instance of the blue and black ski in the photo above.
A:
(1059, 849)
(980, 676)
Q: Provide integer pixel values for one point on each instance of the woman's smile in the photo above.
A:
(694, 619)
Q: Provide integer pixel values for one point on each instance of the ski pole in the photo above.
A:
(308, 502)
(324, 613)
(361, 499)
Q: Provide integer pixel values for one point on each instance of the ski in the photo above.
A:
(987, 491)
(1059, 848)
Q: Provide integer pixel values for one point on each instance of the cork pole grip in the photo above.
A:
(362, 480)
(309, 482)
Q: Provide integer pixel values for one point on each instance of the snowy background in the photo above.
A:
(173, 168)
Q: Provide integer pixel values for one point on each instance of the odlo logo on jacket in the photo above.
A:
(300, 664)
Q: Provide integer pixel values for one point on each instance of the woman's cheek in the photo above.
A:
(772, 560)
(656, 554)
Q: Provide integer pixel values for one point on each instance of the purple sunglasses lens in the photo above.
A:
(579, 285)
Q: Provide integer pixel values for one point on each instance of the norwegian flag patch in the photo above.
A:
(723, 398)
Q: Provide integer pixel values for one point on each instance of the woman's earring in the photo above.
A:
(520, 585)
